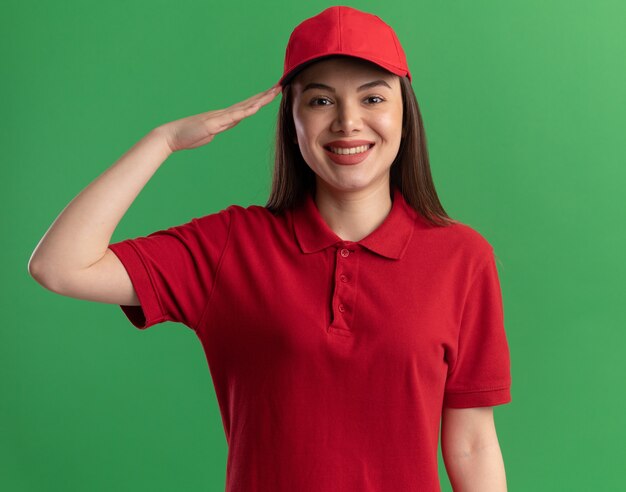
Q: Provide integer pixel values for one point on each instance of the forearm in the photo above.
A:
(81, 233)
(476, 469)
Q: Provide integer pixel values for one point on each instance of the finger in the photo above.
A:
(253, 103)
(271, 92)
(264, 98)
(231, 118)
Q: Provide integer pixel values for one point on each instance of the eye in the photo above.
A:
(312, 102)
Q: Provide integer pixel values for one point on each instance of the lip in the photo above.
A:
(346, 144)
(349, 159)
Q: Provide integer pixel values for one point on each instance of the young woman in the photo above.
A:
(344, 321)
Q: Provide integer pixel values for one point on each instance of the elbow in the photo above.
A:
(34, 269)
(39, 273)
(35, 264)
(468, 451)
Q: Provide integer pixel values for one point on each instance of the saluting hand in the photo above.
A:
(194, 131)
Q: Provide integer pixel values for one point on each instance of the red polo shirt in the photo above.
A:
(331, 359)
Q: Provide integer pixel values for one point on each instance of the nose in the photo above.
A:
(347, 118)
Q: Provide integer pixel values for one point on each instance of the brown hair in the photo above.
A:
(409, 172)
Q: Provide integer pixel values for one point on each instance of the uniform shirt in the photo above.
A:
(331, 359)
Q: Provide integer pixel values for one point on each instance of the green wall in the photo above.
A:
(523, 103)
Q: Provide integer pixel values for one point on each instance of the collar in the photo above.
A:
(389, 239)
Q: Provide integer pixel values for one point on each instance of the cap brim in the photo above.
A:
(289, 76)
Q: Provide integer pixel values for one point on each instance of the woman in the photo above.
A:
(346, 319)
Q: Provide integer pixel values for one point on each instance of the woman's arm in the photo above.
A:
(471, 451)
(78, 239)
(80, 235)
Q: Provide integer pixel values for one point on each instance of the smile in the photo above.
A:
(349, 156)
(351, 150)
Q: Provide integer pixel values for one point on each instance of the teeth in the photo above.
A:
(351, 150)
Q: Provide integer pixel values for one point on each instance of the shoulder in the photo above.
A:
(252, 213)
(470, 239)
(459, 241)
(253, 220)
(238, 213)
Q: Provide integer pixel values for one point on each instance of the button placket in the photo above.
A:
(345, 288)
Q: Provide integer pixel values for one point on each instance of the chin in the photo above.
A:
(345, 186)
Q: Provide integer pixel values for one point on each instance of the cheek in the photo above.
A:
(308, 129)
(301, 123)
(389, 128)
(390, 124)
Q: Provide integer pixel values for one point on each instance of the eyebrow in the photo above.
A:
(369, 85)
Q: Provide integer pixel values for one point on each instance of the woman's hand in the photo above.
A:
(194, 131)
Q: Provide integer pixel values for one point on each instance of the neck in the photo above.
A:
(354, 215)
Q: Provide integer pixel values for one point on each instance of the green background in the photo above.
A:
(524, 109)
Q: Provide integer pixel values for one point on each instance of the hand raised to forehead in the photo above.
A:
(197, 130)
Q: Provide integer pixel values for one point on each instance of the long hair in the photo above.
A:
(410, 171)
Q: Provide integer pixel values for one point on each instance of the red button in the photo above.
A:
(343, 278)
(341, 308)
(345, 252)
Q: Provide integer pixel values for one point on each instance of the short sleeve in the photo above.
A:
(479, 368)
(174, 270)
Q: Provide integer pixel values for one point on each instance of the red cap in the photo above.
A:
(341, 30)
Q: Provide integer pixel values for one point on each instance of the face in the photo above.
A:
(351, 102)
